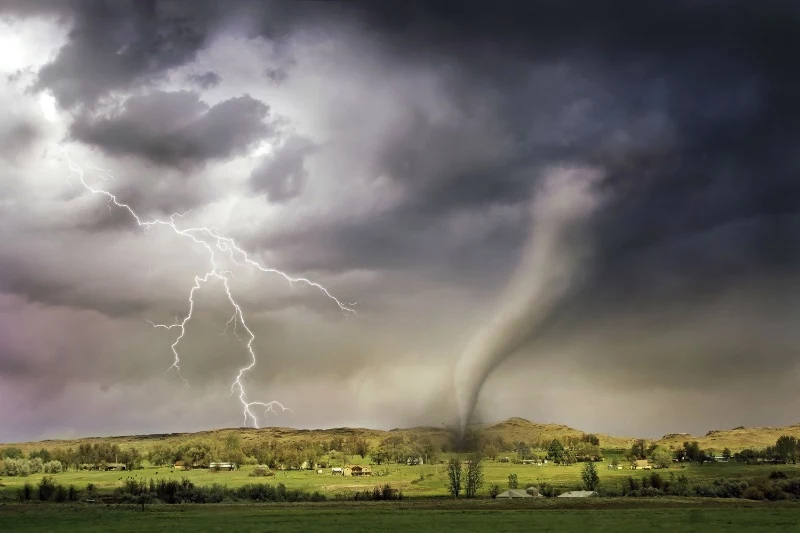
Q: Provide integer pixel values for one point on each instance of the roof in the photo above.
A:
(642, 462)
(578, 494)
(514, 493)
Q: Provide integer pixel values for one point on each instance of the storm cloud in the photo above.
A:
(391, 151)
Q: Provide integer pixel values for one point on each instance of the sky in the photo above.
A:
(392, 152)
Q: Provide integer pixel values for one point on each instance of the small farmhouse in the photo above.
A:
(641, 464)
(180, 465)
(356, 470)
(578, 494)
(514, 493)
(113, 466)
(337, 471)
(222, 466)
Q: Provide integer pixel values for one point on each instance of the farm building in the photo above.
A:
(337, 471)
(514, 493)
(641, 464)
(180, 465)
(113, 466)
(222, 466)
(578, 494)
(356, 470)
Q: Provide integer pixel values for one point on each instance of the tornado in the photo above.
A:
(551, 262)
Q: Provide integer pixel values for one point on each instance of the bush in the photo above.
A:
(753, 493)
(261, 471)
(494, 490)
(777, 474)
(52, 467)
(47, 489)
(36, 465)
(17, 467)
(26, 492)
(547, 490)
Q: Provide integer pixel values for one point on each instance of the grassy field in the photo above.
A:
(486, 515)
(414, 481)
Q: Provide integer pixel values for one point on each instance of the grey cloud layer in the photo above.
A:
(176, 128)
(419, 131)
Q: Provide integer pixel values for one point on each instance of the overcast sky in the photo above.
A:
(390, 151)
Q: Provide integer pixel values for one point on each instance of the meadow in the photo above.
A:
(478, 515)
(413, 481)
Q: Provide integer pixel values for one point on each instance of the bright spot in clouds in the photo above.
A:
(47, 103)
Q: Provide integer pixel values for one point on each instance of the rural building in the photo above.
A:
(578, 494)
(180, 465)
(514, 493)
(222, 466)
(113, 466)
(641, 464)
(337, 470)
(536, 462)
(356, 470)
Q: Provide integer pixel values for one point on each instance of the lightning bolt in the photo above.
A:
(209, 238)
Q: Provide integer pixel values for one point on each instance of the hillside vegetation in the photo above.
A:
(511, 430)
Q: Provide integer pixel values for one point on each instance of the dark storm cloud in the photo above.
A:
(283, 174)
(176, 128)
(113, 45)
(206, 80)
(689, 109)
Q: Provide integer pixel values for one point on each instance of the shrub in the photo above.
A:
(777, 474)
(494, 490)
(753, 493)
(36, 465)
(47, 489)
(26, 492)
(261, 471)
(547, 490)
(17, 467)
(73, 493)
(52, 467)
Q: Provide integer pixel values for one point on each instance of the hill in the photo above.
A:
(736, 439)
(511, 431)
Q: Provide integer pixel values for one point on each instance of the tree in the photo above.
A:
(12, 452)
(726, 453)
(693, 452)
(555, 450)
(361, 447)
(661, 457)
(638, 450)
(474, 476)
(454, 476)
(589, 476)
(513, 482)
(786, 449)
(591, 438)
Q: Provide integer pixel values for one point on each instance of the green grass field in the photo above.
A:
(486, 515)
(414, 481)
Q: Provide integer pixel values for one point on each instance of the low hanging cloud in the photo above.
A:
(205, 80)
(176, 128)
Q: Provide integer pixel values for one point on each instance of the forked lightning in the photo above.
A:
(210, 239)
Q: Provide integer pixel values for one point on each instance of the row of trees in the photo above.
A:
(469, 479)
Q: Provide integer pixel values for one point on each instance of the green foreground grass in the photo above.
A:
(436, 515)
(414, 481)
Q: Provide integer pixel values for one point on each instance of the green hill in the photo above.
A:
(511, 431)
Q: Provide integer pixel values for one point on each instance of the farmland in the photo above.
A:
(413, 481)
(481, 515)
